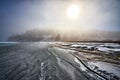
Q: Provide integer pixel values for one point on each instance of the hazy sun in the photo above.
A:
(73, 11)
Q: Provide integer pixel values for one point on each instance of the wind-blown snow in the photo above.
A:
(110, 68)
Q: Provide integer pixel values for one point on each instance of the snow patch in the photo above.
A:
(110, 68)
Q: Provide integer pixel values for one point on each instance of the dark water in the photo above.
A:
(7, 43)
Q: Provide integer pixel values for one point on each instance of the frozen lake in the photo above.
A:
(40, 61)
(44, 61)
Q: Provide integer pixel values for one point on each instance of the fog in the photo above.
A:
(17, 17)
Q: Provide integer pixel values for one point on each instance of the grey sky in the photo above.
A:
(17, 16)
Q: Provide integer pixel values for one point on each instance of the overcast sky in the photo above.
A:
(17, 16)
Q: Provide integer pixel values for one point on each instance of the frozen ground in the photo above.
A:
(102, 58)
(103, 66)
(41, 61)
(103, 47)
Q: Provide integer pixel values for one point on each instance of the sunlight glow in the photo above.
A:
(73, 11)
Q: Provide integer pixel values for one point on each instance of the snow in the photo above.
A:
(75, 45)
(108, 50)
(103, 47)
(67, 68)
(117, 50)
(110, 68)
(39, 44)
(80, 64)
(90, 47)
(112, 45)
(42, 72)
